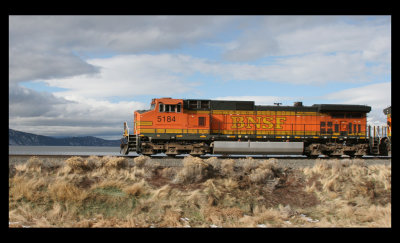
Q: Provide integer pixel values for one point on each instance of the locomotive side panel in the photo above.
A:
(285, 124)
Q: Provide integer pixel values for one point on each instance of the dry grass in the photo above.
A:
(141, 160)
(80, 165)
(108, 192)
(194, 170)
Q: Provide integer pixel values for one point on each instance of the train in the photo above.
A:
(204, 126)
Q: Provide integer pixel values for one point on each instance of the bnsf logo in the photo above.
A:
(266, 122)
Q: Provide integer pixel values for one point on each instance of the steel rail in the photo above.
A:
(202, 157)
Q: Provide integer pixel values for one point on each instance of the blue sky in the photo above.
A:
(84, 75)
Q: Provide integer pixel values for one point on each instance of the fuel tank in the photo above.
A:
(266, 148)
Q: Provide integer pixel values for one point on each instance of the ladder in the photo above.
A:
(374, 145)
(133, 142)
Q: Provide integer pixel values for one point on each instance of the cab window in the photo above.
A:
(170, 108)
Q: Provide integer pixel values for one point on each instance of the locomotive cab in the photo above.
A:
(164, 114)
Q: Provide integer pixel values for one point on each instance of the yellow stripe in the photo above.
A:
(144, 123)
(173, 131)
(268, 113)
(148, 130)
(306, 113)
(196, 112)
(181, 131)
(202, 136)
(233, 112)
(267, 132)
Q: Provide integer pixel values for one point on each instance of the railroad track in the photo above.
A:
(202, 157)
(165, 161)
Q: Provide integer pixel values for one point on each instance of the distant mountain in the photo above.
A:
(23, 138)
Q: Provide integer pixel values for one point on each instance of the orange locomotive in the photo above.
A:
(177, 126)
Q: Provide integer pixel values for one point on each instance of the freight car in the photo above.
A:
(386, 138)
(198, 126)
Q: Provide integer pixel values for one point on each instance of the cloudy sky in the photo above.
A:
(85, 75)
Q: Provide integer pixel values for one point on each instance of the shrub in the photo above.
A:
(194, 170)
(264, 172)
(78, 164)
(250, 164)
(214, 162)
(141, 160)
(136, 189)
(116, 163)
(62, 191)
(96, 160)
(34, 163)
(168, 173)
(227, 167)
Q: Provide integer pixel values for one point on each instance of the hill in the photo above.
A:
(29, 139)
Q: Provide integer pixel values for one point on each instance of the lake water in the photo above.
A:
(64, 150)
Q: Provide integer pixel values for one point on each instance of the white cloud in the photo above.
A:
(305, 69)
(39, 41)
(298, 35)
(378, 96)
(167, 74)
(42, 47)
(128, 76)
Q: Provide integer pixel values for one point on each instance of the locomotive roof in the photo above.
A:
(340, 107)
(387, 110)
(249, 105)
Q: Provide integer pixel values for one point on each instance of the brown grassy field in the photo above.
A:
(113, 192)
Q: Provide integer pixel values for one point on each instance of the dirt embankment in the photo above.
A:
(117, 192)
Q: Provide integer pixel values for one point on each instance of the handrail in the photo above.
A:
(126, 129)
